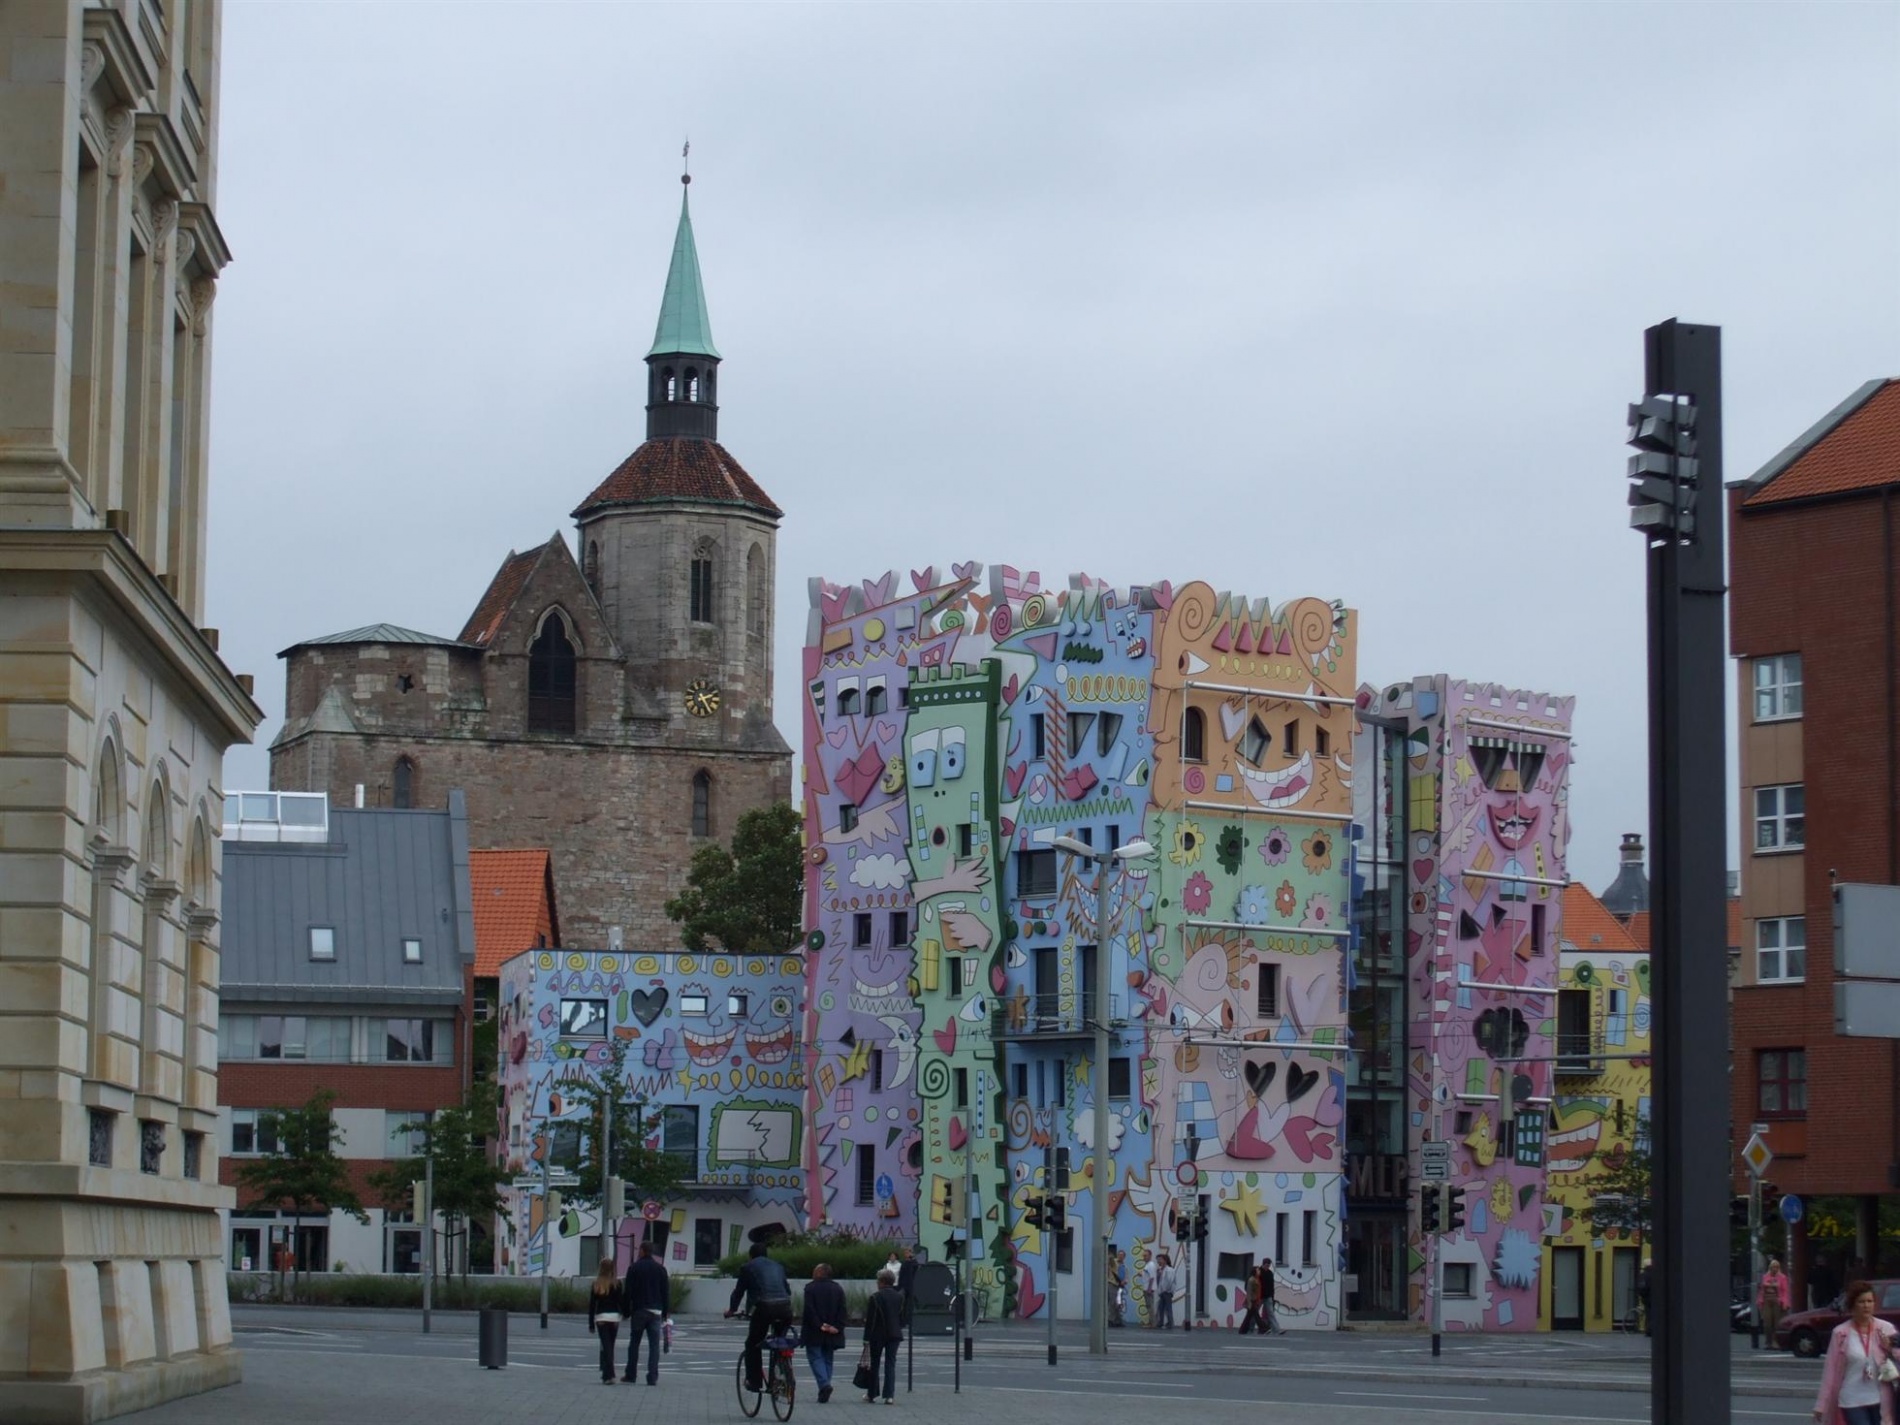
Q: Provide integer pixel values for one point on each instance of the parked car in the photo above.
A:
(1806, 1332)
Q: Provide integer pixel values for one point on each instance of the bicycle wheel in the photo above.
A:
(784, 1385)
(749, 1399)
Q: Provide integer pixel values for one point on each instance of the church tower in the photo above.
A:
(679, 543)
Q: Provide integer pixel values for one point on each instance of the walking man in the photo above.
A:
(907, 1282)
(1117, 1267)
(824, 1326)
(1148, 1270)
(1269, 1322)
(649, 1298)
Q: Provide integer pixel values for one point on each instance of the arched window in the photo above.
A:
(402, 784)
(672, 386)
(1194, 736)
(755, 591)
(702, 590)
(692, 384)
(702, 803)
(591, 569)
(551, 679)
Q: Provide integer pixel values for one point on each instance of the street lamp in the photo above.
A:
(1137, 850)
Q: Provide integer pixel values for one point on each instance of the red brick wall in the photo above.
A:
(1809, 579)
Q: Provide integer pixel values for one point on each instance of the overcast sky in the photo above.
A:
(1337, 300)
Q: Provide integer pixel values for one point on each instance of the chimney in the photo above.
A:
(359, 796)
(1633, 849)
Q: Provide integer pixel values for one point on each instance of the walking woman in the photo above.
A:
(883, 1331)
(605, 1303)
(1252, 1322)
(1857, 1381)
(1772, 1300)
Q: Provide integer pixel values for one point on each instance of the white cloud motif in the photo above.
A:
(881, 873)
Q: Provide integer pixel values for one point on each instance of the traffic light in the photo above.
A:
(418, 1205)
(616, 1198)
(1035, 1213)
(1663, 471)
(1058, 1214)
(1454, 1209)
(1183, 1226)
(554, 1205)
(1060, 1179)
(1430, 1205)
(1200, 1227)
(1738, 1212)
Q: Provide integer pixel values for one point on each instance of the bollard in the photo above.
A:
(493, 1342)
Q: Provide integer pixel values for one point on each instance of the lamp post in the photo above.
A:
(1098, 1076)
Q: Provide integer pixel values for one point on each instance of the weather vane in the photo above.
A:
(685, 150)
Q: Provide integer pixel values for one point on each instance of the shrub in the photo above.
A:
(451, 1294)
(798, 1252)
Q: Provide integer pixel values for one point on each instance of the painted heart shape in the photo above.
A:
(1260, 1077)
(967, 571)
(1027, 1297)
(1013, 778)
(649, 1005)
(1009, 689)
(839, 734)
(1309, 1144)
(1299, 1082)
(998, 980)
(1422, 869)
(946, 1037)
(1232, 718)
(958, 1135)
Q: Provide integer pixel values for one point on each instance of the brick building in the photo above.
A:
(618, 709)
(349, 966)
(1813, 609)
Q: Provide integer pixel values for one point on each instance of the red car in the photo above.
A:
(1806, 1332)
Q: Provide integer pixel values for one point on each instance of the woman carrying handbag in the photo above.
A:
(1857, 1383)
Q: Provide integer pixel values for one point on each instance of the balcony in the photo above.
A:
(1054, 1016)
(277, 816)
(1579, 1055)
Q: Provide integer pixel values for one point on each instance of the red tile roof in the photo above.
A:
(1638, 925)
(514, 910)
(1860, 452)
(1588, 925)
(680, 468)
(500, 596)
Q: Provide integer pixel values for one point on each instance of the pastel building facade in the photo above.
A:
(951, 736)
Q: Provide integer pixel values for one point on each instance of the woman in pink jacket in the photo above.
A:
(1772, 1300)
(1857, 1384)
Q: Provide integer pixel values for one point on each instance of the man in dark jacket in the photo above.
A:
(883, 1332)
(649, 1298)
(764, 1282)
(825, 1321)
(907, 1282)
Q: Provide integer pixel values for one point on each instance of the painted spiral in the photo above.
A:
(933, 1078)
(1192, 615)
(1022, 1123)
(1035, 609)
(1001, 621)
(1312, 626)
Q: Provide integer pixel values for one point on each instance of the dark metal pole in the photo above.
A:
(1689, 1367)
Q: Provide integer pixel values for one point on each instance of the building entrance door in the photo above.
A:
(1375, 1256)
(1566, 1289)
(1623, 1284)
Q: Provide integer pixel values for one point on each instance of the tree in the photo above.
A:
(749, 897)
(467, 1181)
(305, 1173)
(1623, 1191)
(647, 1172)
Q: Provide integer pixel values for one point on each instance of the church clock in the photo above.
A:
(702, 698)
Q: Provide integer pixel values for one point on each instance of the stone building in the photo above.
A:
(115, 711)
(618, 709)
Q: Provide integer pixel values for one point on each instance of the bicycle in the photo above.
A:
(780, 1382)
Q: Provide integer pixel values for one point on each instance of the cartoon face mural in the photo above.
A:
(1487, 826)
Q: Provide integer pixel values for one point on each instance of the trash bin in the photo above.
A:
(494, 1337)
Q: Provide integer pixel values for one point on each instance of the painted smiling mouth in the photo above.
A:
(1298, 1296)
(772, 1048)
(704, 1049)
(1569, 1151)
(1513, 828)
(1282, 788)
(879, 1000)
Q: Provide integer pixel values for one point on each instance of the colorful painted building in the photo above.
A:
(1485, 829)
(951, 737)
(713, 1054)
(1600, 1115)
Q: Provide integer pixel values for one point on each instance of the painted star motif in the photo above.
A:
(1246, 1206)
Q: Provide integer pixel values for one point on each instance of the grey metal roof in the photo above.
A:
(377, 633)
(384, 875)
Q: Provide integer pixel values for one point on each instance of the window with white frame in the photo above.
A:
(411, 952)
(403, 1133)
(1781, 949)
(253, 1132)
(1778, 687)
(322, 942)
(1458, 1280)
(1781, 818)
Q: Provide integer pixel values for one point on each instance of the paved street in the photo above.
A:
(312, 1366)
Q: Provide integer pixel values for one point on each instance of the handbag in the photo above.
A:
(862, 1377)
(1888, 1372)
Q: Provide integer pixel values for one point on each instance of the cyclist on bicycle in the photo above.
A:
(765, 1282)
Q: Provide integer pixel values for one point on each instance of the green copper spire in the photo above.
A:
(684, 326)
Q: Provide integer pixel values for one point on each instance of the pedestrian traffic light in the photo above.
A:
(616, 1198)
(1036, 1212)
(1454, 1209)
(1430, 1205)
(418, 1204)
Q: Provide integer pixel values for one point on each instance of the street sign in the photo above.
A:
(886, 1189)
(1758, 1155)
(1434, 1161)
(651, 1210)
(1792, 1210)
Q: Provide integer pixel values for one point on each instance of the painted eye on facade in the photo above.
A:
(952, 753)
(976, 1011)
(781, 1004)
(923, 758)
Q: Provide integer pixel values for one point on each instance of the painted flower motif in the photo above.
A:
(1198, 894)
(1254, 906)
(1188, 842)
(1420, 903)
(1321, 914)
(1316, 852)
(1286, 899)
(1275, 846)
(1227, 850)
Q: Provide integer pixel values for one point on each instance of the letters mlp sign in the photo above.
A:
(1434, 1161)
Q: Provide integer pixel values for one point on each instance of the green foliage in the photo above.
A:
(849, 1255)
(305, 1174)
(749, 898)
(647, 1172)
(1623, 1190)
(343, 1289)
(468, 1181)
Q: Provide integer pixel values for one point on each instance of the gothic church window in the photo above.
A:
(692, 384)
(702, 803)
(702, 585)
(551, 678)
(672, 385)
(402, 784)
(755, 592)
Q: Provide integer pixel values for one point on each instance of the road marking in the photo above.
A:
(1097, 1380)
(1045, 1390)
(1392, 1395)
